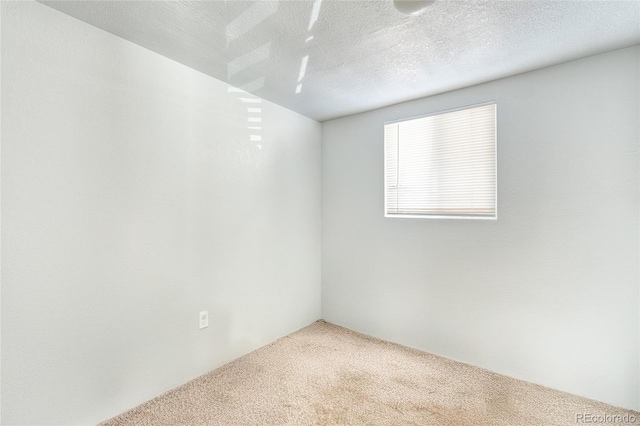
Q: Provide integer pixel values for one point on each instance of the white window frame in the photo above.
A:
(431, 216)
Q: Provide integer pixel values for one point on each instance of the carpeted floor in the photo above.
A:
(329, 375)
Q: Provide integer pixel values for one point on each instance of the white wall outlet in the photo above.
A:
(204, 319)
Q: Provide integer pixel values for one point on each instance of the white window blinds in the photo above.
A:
(442, 165)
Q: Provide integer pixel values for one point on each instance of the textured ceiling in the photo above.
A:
(329, 58)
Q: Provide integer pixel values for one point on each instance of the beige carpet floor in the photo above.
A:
(329, 375)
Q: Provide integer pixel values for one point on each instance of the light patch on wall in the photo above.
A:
(232, 89)
(258, 110)
(248, 59)
(255, 119)
(254, 85)
(248, 19)
(298, 88)
(308, 39)
(303, 67)
(255, 138)
(255, 127)
(315, 12)
(251, 100)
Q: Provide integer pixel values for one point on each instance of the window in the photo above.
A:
(442, 165)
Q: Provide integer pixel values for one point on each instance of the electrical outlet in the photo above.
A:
(204, 319)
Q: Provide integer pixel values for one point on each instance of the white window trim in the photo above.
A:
(424, 216)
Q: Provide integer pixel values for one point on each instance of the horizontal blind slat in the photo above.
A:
(442, 164)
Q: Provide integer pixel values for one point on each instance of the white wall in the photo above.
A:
(132, 199)
(547, 293)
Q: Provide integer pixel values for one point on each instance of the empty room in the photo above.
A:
(320, 212)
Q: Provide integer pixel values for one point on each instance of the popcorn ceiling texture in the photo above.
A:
(327, 375)
(363, 54)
